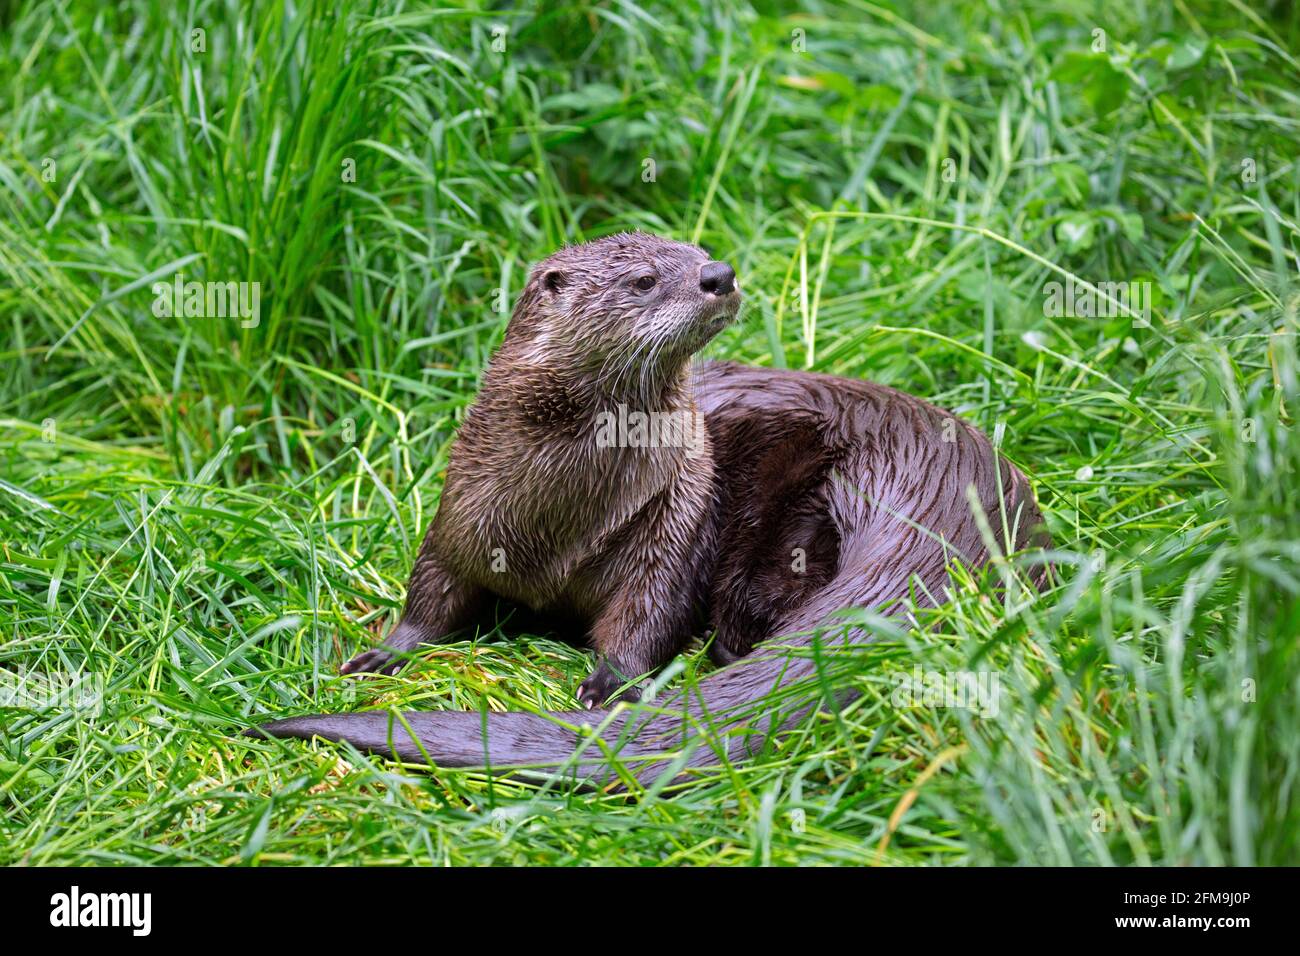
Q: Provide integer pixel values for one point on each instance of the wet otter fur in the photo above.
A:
(795, 495)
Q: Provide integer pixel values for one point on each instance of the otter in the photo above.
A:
(775, 500)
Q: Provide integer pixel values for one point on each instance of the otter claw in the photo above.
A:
(375, 661)
(596, 689)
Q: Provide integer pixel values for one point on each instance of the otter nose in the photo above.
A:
(717, 277)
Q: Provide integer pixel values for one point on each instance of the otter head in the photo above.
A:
(628, 309)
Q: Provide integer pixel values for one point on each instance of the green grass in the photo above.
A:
(207, 519)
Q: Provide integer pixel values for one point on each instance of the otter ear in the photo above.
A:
(553, 280)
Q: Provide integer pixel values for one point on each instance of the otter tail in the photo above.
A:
(727, 716)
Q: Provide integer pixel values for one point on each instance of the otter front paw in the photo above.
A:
(378, 660)
(604, 681)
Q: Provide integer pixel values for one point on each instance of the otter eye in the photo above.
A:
(645, 283)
